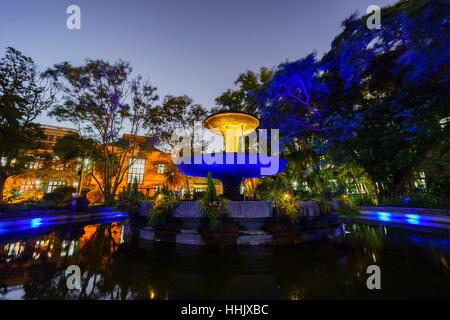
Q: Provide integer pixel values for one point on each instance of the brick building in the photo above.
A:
(150, 168)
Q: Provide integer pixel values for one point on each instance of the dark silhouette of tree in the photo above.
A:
(24, 95)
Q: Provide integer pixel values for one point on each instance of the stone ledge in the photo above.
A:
(250, 209)
(187, 209)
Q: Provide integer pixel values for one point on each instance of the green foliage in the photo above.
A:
(417, 200)
(187, 194)
(175, 114)
(73, 146)
(213, 207)
(43, 204)
(198, 195)
(346, 206)
(250, 85)
(286, 204)
(211, 194)
(365, 200)
(326, 206)
(347, 212)
(162, 209)
(23, 97)
(214, 210)
(439, 184)
(99, 97)
(130, 198)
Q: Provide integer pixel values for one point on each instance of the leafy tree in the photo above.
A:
(294, 99)
(23, 97)
(174, 178)
(246, 97)
(175, 114)
(390, 87)
(76, 150)
(100, 98)
(211, 194)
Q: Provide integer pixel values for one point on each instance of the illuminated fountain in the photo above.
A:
(234, 165)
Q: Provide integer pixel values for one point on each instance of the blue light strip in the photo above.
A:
(34, 223)
(412, 219)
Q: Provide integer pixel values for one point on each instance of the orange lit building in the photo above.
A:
(150, 167)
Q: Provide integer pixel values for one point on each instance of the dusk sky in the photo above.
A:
(193, 47)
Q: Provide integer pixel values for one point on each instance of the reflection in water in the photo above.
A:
(116, 265)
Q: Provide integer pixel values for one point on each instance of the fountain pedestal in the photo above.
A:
(234, 165)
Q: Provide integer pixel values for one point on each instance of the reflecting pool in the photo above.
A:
(116, 265)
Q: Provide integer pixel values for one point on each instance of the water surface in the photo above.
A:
(116, 265)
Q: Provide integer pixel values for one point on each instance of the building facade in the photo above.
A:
(150, 167)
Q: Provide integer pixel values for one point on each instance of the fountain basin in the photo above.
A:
(231, 168)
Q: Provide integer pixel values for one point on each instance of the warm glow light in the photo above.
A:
(232, 126)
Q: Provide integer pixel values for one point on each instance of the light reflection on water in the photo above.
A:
(115, 265)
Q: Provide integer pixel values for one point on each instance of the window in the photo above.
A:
(36, 163)
(198, 189)
(136, 170)
(30, 185)
(422, 179)
(53, 184)
(160, 168)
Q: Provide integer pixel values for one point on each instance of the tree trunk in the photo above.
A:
(357, 186)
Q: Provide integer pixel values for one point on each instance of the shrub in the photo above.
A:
(66, 191)
(213, 207)
(198, 195)
(213, 210)
(326, 206)
(129, 199)
(94, 196)
(417, 200)
(287, 205)
(187, 194)
(365, 200)
(55, 197)
(162, 209)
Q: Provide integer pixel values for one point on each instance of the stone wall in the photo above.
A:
(187, 209)
(236, 209)
(250, 209)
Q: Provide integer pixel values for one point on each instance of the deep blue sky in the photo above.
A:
(193, 47)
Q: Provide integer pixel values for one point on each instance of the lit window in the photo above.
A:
(422, 179)
(198, 189)
(53, 184)
(30, 185)
(443, 122)
(136, 170)
(305, 185)
(3, 161)
(160, 168)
